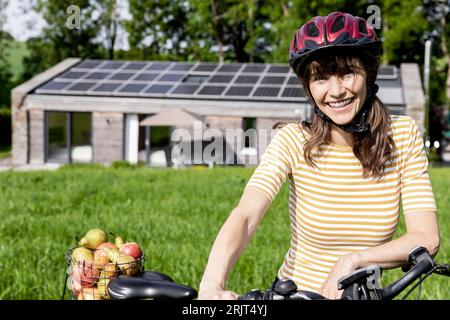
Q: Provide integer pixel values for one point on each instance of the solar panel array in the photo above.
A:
(233, 81)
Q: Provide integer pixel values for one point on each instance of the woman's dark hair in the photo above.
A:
(374, 149)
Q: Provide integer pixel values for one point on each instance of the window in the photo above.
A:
(68, 137)
(249, 127)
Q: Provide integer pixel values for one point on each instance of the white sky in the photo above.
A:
(23, 23)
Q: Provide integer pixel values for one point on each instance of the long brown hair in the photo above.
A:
(373, 149)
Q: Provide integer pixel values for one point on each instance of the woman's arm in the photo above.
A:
(422, 230)
(231, 241)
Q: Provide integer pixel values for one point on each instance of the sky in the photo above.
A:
(23, 23)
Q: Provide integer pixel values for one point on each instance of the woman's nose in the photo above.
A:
(337, 88)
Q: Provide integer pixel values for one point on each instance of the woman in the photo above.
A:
(348, 170)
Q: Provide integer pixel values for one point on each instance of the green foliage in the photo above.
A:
(58, 41)
(174, 215)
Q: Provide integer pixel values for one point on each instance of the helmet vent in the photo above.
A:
(362, 26)
(338, 24)
(312, 30)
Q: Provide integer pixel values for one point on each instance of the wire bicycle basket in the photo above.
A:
(89, 281)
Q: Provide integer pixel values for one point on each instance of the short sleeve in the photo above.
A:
(416, 191)
(275, 165)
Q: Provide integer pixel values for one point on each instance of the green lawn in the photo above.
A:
(173, 214)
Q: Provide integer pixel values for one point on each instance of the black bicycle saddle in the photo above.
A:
(148, 285)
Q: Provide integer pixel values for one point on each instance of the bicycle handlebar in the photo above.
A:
(362, 284)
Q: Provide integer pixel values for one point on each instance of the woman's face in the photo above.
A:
(340, 97)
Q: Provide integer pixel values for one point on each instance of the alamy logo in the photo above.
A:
(375, 19)
(73, 21)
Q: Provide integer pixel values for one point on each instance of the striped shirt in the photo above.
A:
(333, 209)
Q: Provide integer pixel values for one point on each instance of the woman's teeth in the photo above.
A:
(340, 104)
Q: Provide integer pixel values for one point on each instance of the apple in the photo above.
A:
(100, 256)
(131, 249)
(84, 275)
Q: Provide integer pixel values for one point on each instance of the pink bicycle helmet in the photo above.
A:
(337, 30)
(334, 30)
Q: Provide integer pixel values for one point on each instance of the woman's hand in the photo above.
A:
(216, 294)
(345, 265)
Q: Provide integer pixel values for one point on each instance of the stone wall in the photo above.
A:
(36, 136)
(107, 137)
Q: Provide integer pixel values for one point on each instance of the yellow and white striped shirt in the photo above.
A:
(333, 209)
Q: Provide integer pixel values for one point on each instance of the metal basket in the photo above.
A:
(88, 281)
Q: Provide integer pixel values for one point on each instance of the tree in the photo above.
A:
(158, 28)
(6, 82)
(59, 40)
(233, 30)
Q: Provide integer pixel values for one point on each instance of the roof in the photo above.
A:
(196, 80)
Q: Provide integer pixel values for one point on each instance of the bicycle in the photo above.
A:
(362, 284)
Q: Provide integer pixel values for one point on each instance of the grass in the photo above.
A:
(174, 215)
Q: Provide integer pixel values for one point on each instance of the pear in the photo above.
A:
(102, 285)
(111, 270)
(127, 265)
(119, 242)
(93, 238)
(82, 254)
(112, 253)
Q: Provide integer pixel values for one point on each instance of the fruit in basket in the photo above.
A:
(100, 256)
(111, 270)
(127, 265)
(93, 238)
(82, 254)
(112, 253)
(102, 285)
(119, 242)
(84, 275)
(90, 294)
(131, 249)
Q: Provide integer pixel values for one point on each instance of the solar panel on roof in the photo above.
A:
(135, 65)
(293, 80)
(146, 76)
(87, 64)
(53, 85)
(273, 80)
(278, 69)
(266, 92)
(112, 65)
(195, 79)
(122, 76)
(158, 66)
(256, 69)
(247, 79)
(72, 75)
(212, 90)
(185, 89)
(182, 67)
(293, 92)
(132, 87)
(81, 86)
(205, 67)
(107, 87)
(238, 91)
(220, 78)
(230, 68)
(386, 71)
(159, 88)
(171, 77)
(97, 75)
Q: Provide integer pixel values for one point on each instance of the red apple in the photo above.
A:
(84, 275)
(100, 257)
(131, 249)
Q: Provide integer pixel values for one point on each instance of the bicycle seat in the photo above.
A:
(149, 285)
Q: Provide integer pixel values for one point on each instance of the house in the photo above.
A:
(97, 110)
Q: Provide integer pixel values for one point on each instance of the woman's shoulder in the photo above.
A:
(293, 130)
(402, 124)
